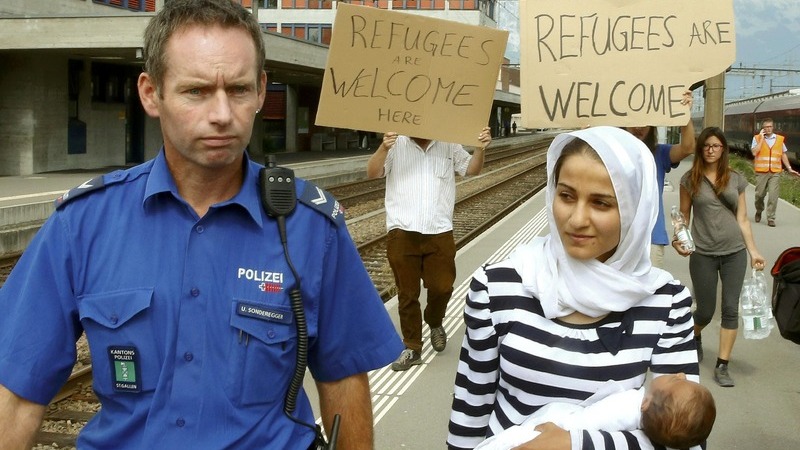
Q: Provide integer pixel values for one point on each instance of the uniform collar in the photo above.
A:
(161, 180)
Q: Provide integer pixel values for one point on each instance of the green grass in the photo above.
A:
(790, 184)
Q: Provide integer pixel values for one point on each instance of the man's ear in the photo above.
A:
(148, 95)
(262, 89)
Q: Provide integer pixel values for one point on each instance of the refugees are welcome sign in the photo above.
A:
(418, 76)
(619, 62)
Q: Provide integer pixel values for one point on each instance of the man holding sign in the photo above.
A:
(420, 197)
(409, 73)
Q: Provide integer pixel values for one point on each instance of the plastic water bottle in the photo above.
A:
(760, 286)
(754, 314)
(682, 230)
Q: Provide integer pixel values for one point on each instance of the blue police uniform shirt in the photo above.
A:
(191, 334)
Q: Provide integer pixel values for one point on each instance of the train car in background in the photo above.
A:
(743, 120)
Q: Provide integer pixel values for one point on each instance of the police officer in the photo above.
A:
(176, 273)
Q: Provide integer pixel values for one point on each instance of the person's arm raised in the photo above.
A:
(476, 162)
(377, 160)
(686, 147)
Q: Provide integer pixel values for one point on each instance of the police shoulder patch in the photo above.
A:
(321, 201)
(97, 183)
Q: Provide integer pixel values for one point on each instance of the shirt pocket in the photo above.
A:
(120, 319)
(442, 167)
(263, 353)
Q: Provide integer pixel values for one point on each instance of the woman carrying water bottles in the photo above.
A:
(715, 195)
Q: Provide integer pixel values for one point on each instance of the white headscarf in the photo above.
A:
(564, 284)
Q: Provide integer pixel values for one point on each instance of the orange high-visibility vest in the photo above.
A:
(768, 159)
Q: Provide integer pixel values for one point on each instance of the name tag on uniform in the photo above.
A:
(125, 371)
(263, 312)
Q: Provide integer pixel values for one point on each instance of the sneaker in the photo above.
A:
(407, 359)
(758, 216)
(699, 352)
(771, 223)
(438, 338)
(721, 376)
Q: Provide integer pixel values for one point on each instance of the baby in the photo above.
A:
(674, 412)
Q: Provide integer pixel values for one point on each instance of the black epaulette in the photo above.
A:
(97, 183)
(323, 202)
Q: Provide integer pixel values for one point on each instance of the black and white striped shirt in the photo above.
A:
(514, 360)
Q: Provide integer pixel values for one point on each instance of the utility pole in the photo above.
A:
(715, 102)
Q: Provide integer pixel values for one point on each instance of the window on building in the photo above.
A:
(431, 4)
(314, 34)
(405, 4)
(269, 27)
(326, 35)
(319, 33)
(307, 4)
(463, 4)
(488, 8)
(485, 6)
(261, 4)
(133, 5)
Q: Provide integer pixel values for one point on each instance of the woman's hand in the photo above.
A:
(757, 261)
(552, 437)
(676, 244)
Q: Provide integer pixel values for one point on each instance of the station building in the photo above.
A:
(68, 97)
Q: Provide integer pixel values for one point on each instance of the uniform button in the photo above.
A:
(200, 229)
(117, 175)
(114, 319)
(180, 422)
(271, 334)
(188, 356)
(195, 292)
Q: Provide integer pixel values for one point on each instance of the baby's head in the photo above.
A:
(676, 412)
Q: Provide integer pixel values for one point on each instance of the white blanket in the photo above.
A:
(611, 408)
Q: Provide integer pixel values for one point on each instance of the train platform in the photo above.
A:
(762, 411)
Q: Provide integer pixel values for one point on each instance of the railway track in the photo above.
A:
(511, 176)
(6, 264)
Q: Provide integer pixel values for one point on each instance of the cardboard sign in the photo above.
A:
(421, 77)
(619, 62)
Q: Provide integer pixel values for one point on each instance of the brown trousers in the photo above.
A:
(427, 257)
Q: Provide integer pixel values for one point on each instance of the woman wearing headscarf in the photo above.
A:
(580, 306)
